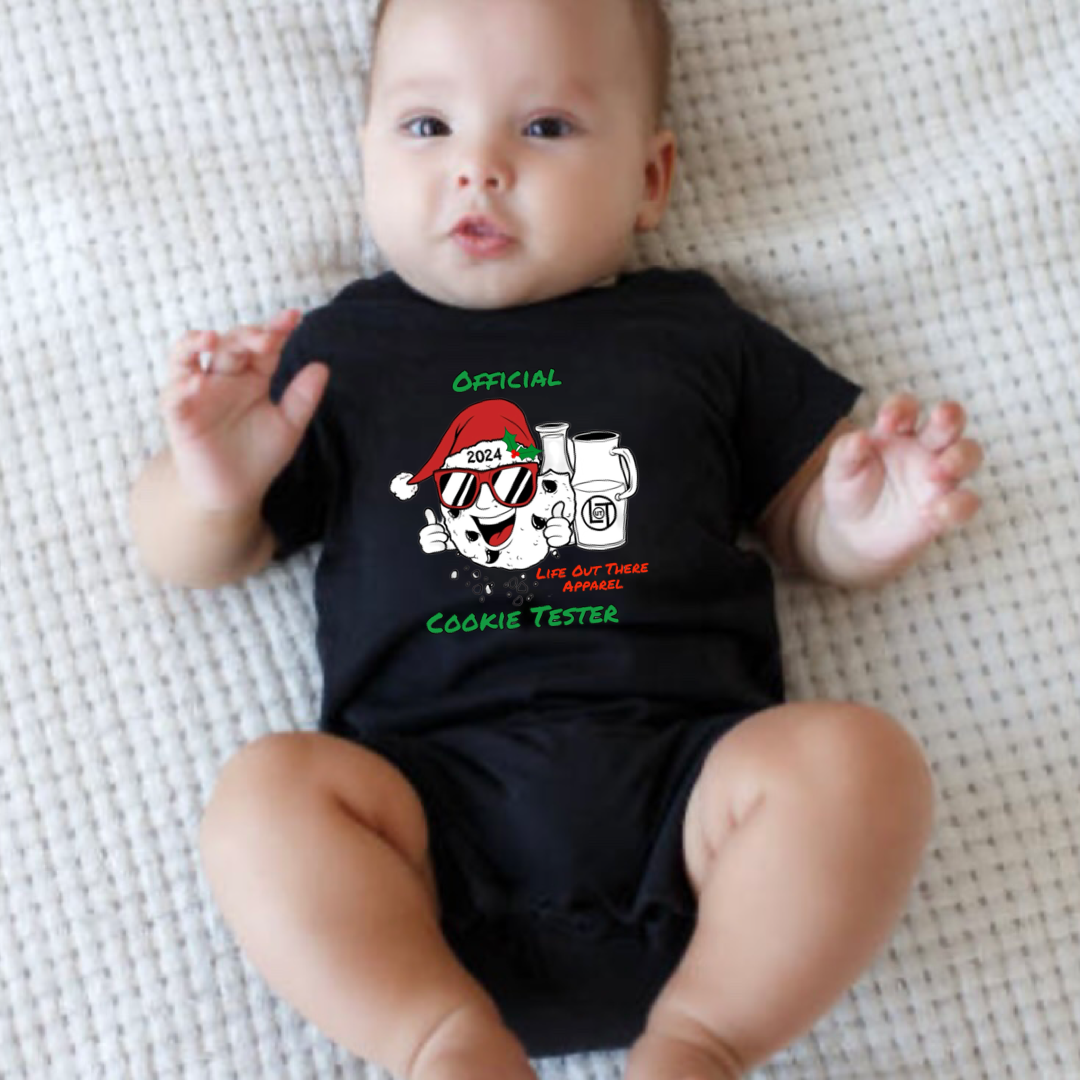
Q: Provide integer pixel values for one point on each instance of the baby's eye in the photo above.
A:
(549, 127)
(426, 127)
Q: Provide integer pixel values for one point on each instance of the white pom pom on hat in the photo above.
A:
(401, 487)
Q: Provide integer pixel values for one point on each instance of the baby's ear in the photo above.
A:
(659, 172)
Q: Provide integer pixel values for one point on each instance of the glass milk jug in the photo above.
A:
(604, 477)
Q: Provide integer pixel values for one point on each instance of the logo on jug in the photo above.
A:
(599, 513)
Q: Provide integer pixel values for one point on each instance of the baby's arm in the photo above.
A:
(869, 502)
(195, 509)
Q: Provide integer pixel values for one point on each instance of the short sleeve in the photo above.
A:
(299, 501)
(789, 401)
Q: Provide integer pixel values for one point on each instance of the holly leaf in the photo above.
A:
(529, 453)
(510, 440)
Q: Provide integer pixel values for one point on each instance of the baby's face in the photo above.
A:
(509, 149)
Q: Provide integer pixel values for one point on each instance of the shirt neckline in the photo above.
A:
(608, 282)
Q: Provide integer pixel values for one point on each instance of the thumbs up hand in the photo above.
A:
(557, 529)
(433, 537)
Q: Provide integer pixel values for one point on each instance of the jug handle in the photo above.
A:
(630, 467)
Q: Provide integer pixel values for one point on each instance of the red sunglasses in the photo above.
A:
(512, 485)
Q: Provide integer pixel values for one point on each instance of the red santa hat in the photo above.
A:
(487, 421)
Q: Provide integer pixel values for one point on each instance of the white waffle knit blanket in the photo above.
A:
(896, 184)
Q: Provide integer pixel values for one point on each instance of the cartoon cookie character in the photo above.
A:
(496, 508)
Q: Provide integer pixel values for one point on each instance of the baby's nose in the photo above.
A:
(486, 179)
(485, 169)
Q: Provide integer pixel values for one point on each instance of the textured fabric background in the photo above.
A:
(895, 184)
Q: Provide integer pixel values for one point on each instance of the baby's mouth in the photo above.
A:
(496, 533)
(481, 237)
(479, 227)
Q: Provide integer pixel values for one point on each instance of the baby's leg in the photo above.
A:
(316, 851)
(801, 838)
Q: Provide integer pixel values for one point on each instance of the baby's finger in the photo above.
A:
(184, 355)
(944, 426)
(850, 454)
(953, 510)
(175, 401)
(237, 350)
(284, 322)
(956, 463)
(302, 396)
(897, 416)
(266, 348)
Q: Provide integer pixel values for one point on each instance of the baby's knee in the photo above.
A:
(870, 761)
(257, 783)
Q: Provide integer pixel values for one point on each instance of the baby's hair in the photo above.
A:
(652, 21)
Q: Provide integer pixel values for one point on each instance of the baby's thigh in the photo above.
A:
(281, 775)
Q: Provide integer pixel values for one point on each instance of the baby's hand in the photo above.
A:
(433, 537)
(890, 490)
(228, 440)
(557, 529)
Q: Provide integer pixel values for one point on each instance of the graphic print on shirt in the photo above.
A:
(507, 502)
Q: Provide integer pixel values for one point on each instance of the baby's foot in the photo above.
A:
(686, 1054)
(472, 1044)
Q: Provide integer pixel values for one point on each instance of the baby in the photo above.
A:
(558, 801)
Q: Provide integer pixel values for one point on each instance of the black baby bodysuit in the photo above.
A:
(531, 599)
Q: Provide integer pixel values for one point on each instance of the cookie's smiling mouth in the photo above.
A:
(496, 533)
